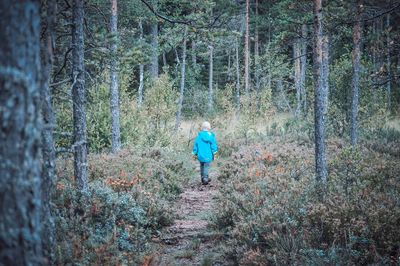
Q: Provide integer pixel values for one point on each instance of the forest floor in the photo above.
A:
(190, 240)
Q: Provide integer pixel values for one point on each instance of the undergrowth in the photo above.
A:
(129, 200)
(271, 213)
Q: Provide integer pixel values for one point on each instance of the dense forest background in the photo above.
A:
(101, 100)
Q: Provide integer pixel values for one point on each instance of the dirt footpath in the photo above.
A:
(190, 240)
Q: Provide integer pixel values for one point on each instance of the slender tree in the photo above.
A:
(141, 69)
(114, 93)
(247, 52)
(321, 91)
(297, 73)
(194, 58)
(257, 57)
(183, 69)
(355, 83)
(237, 73)
(20, 168)
(388, 64)
(210, 79)
(79, 97)
(48, 151)
(154, 46)
(303, 67)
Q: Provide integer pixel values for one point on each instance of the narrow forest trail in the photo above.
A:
(190, 240)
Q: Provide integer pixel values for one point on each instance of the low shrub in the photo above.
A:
(271, 213)
(128, 201)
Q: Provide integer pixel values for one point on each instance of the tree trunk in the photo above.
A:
(210, 81)
(114, 94)
(48, 151)
(303, 67)
(247, 53)
(321, 91)
(257, 59)
(355, 83)
(79, 97)
(237, 74)
(154, 51)
(297, 73)
(20, 167)
(141, 69)
(388, 65)
(183, 69)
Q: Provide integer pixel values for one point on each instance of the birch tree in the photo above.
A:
(183, 69)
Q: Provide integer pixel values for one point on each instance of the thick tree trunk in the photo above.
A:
(210, 80)
(303, 67)
(183, 69)
(114, 93)
(48, 151)
(237, 74)
(355, 83)
(20, 168)
(247, 53)
(79, 97)
(321, 92)
(141, 69)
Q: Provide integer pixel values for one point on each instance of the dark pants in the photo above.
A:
(204, 168)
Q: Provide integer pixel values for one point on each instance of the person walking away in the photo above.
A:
(205, 149)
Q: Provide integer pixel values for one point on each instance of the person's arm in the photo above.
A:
(195, 149)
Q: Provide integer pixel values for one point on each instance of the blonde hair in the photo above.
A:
(206, 126)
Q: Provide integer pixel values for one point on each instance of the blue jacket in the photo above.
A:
(205, 146)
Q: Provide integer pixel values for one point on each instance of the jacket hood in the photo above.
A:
(206, 136)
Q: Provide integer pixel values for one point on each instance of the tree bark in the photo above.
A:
(303, 67)
(20, 134)
(297, 74)
(154, 48)
(48, 150)
(257, 59)
(321, 92)
(114, 93)
(210, 81)
(388, 64)
(247, 53)
(237, 74)
(79, 97)
(141, 69)
(183, 69)
(355, 83)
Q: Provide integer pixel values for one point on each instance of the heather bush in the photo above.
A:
(270, 212)
(128, 202)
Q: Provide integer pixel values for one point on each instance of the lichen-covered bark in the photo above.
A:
(321, 92)
(20, 127)
(114, 93)
(355, 83)
(183, 69)
(48, 151)
(79, 97)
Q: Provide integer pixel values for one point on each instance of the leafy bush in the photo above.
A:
(271, 213)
